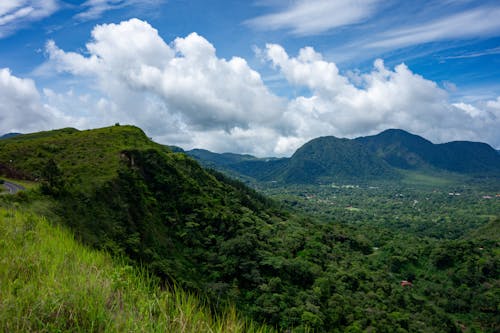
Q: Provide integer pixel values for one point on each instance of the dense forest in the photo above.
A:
(414, 253)
(362, 160)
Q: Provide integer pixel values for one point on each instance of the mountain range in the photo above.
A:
(9, 135)
(157, 209)
(376, 157)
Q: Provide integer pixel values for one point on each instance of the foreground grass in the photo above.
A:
(51, 283)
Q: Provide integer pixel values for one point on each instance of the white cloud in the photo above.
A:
(94, 9)
(16, 14)
(25, 109)
(469, 109)
(21, 107)
(182, 93)
(494, 105)
(477, 22)
(482, 53)
(309, 17)
(381, 99)
(156, 85)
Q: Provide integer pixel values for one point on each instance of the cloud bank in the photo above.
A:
(22, 108)
(182, 93)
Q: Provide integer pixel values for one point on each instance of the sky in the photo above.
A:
(258, 77)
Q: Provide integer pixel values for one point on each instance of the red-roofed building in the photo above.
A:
(405, 283)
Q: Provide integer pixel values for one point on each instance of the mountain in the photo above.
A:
(408, 151)
(324, 159)
(183, 225)
(468, 157)
(243, 166)
(400, 148)
(9, 135)
(223, 159)
(332, 159)
(375, 157)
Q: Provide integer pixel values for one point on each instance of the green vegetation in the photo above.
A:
(328, 159)
(85, 158)
(444, 239)
(24, 183)
(430, 179)
(368, 159)
(408, 151)
(316, 258)
(51, 283)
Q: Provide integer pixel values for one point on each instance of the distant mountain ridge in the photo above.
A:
(408, 151)
(330, 158)
(373, 157)
(9, 135)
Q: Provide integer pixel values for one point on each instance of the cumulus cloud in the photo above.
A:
(21, 106)
(182, 93)
(24, 108)
(156, 84)
(383, 98)
(309, 17)
(16, 14)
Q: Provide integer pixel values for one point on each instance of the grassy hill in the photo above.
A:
(86, 158)
(118, 192)
(51, 283)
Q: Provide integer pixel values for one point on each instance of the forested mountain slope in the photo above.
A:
(329, 159)
(122, 193)
(51, 283)
(370, 158)
(408, 151)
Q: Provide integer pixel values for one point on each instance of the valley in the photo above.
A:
(294, 166)
(403, 249)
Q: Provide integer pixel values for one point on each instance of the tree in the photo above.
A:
(52, 174)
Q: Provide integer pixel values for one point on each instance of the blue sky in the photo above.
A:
(259, 77)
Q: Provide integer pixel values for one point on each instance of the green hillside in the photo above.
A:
(371, 158)
(117, 191)
(408, 151)
(86, 158)
(325, 159)
(51, 283)
(400, 148)
(332, 159)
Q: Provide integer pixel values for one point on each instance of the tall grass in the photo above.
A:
(51, 283)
